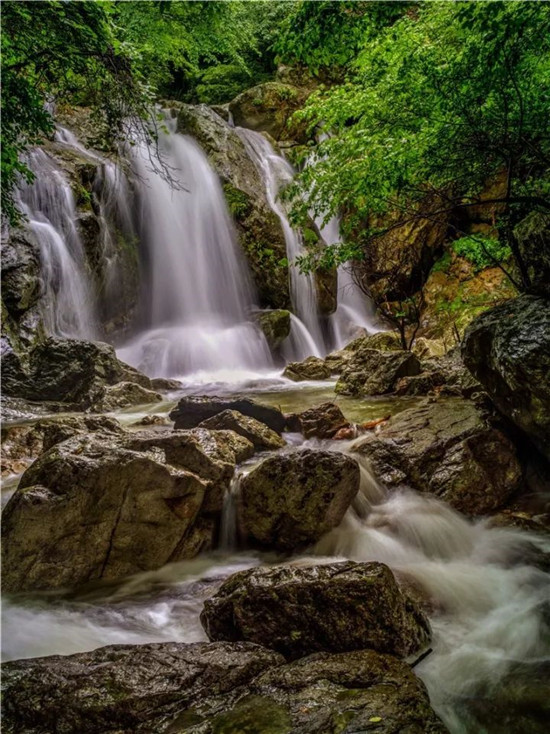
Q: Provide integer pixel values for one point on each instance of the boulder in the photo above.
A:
(312, 368)
(20, 271)
(533, 236)
(428, 348)
(445, 375)
(337, 607)
(508, 350)
(125, 395)
(268, 108)
(192, 410)
(262, 437)
(101, 507)
(375, 372)
(291, 499)
(72, 371)
(275, 324)
(322, 421)
(450, 449)
(326, 288)
(260, 232)
(124, 688)
(22, 444)
(210, 688)
(385, 341)
(164, 384)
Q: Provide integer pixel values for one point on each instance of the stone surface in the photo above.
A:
(322, 421)
(375, 372)
(125, 395)
(533, 236)
(275, 324)
(262, 437)
(508, 350)
(447, 448)
(101, 507)
(312, 368)
(268, 107)
(214, 688)
(163, 384)
(291, 499)
(337, 607)
(72, 371)
(192, 410)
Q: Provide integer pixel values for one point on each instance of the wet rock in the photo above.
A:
(72, 371)
(210, 688)
(375, 372)
(101, 507)
(427, 348)
(22, 444)
(385, 341)
(125, 395)
(337, 360)
(425, 383)
(291, 499)
(20, 271)
(262, 437)
(508, 350)
(152, 420)
(326, 287)
(336, 607)
(268, 107)
(192, 410)
(322, 421)
(275, 324)
(533, 236)
(447, 448)
(124, 688)
(163, 384)
(312, 368)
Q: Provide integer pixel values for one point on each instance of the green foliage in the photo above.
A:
(436, 102)
(483, 252)
(443, 264)
(237, 201)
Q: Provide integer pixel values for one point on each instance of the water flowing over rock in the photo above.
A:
(209, 688)
(336, 607)
(262, 437)
(145, 499)
(199, 292)
(447, 448)
(291, 499)
(508, 350)
(192, 410)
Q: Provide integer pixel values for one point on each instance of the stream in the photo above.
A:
(485, 596)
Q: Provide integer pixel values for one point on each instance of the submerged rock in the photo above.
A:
(375, 372)
(72, 371)
(257, 433)
(508, 350)
(101, 507)
(291, 499)
(337, 607)
(312, 368)
(447, 448)
(213, 688)
(192, 410)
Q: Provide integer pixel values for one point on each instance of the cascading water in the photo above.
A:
(353, 313)
(199, 293)
(306, 337)
(68, 304)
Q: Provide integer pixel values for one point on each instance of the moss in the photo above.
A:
(238, 202)
(443, 264)
(253, 715)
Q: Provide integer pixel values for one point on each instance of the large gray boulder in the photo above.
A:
(336, 607)
(72, 371)
(194, 409)
(210, 688)
(102, 507)
(450, 449)
(508, 350)
(291, 499)
(375, 372)
(261, 437)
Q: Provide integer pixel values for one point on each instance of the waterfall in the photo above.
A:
(68, 305)
(276, 172)
(354, 312)
(197, 292)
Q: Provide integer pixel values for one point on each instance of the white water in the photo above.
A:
(68, 304)
(199, 292)
(307, 338)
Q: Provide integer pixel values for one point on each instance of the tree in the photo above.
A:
(437, 103)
